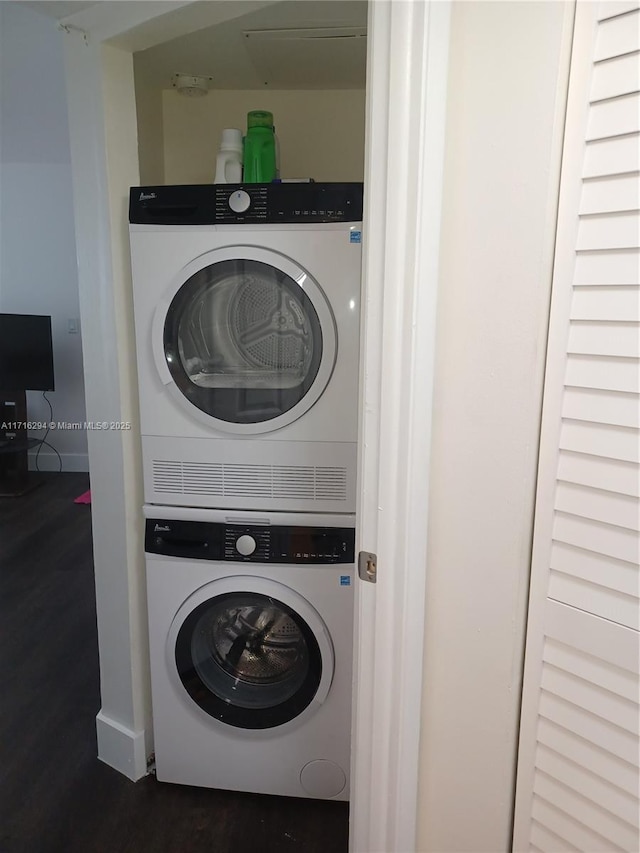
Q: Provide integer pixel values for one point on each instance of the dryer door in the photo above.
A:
(245, 340)
(251, 653)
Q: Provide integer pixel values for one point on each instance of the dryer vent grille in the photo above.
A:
(220, 479)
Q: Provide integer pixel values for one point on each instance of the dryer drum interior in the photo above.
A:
(248, 660)
(243, 341)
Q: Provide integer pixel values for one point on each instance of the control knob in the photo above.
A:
(245, 545)
(239, 201)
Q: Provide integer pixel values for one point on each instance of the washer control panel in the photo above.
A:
(249, 543)
(227, 204)
(288, 202)
(246, 543)
(246, 203)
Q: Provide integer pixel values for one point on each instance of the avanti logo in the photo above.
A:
(160, 528)
(147, 196)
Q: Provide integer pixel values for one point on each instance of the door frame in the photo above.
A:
(404, 163)
(405, 121)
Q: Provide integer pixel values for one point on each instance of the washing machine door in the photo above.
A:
(245, 340)
(251, 652)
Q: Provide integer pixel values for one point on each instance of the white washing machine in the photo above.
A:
(251, 633)
(247, 312)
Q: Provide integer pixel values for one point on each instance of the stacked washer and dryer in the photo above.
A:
(247, 310)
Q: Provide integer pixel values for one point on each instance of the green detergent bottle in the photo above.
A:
(259, 158)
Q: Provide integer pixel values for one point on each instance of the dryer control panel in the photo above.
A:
(254, 543)
(227, 204)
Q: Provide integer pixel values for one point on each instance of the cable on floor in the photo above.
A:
(44, 440)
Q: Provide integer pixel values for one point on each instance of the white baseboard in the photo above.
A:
(48, 461)
(121, 748)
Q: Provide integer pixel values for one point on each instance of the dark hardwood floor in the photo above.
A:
(55, 795)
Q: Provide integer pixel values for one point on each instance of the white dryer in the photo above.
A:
(251, 638)
(247, 310)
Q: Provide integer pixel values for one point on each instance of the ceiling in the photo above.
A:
(56, 9)
(295, 44)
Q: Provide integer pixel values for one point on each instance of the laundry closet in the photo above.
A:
(246, 296)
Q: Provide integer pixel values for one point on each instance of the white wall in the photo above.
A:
(321, 133)
(508, 77)
(149, 126)
(37, 239)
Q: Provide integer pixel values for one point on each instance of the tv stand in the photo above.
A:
(15, 479)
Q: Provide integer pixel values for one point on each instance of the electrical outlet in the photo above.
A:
(73, 325)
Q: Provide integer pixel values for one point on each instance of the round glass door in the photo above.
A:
(245, 342)
(248, 660)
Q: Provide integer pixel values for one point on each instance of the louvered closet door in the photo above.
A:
(578, 776)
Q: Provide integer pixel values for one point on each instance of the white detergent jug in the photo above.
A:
(229, 159)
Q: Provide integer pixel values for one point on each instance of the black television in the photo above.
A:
(26, 353)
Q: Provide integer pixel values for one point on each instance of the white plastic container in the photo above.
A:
(229, 159)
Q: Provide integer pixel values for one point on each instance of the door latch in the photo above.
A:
(367, 566)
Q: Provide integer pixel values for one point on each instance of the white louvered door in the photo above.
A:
(578, 765)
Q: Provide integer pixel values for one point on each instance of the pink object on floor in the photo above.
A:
(85, 498)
